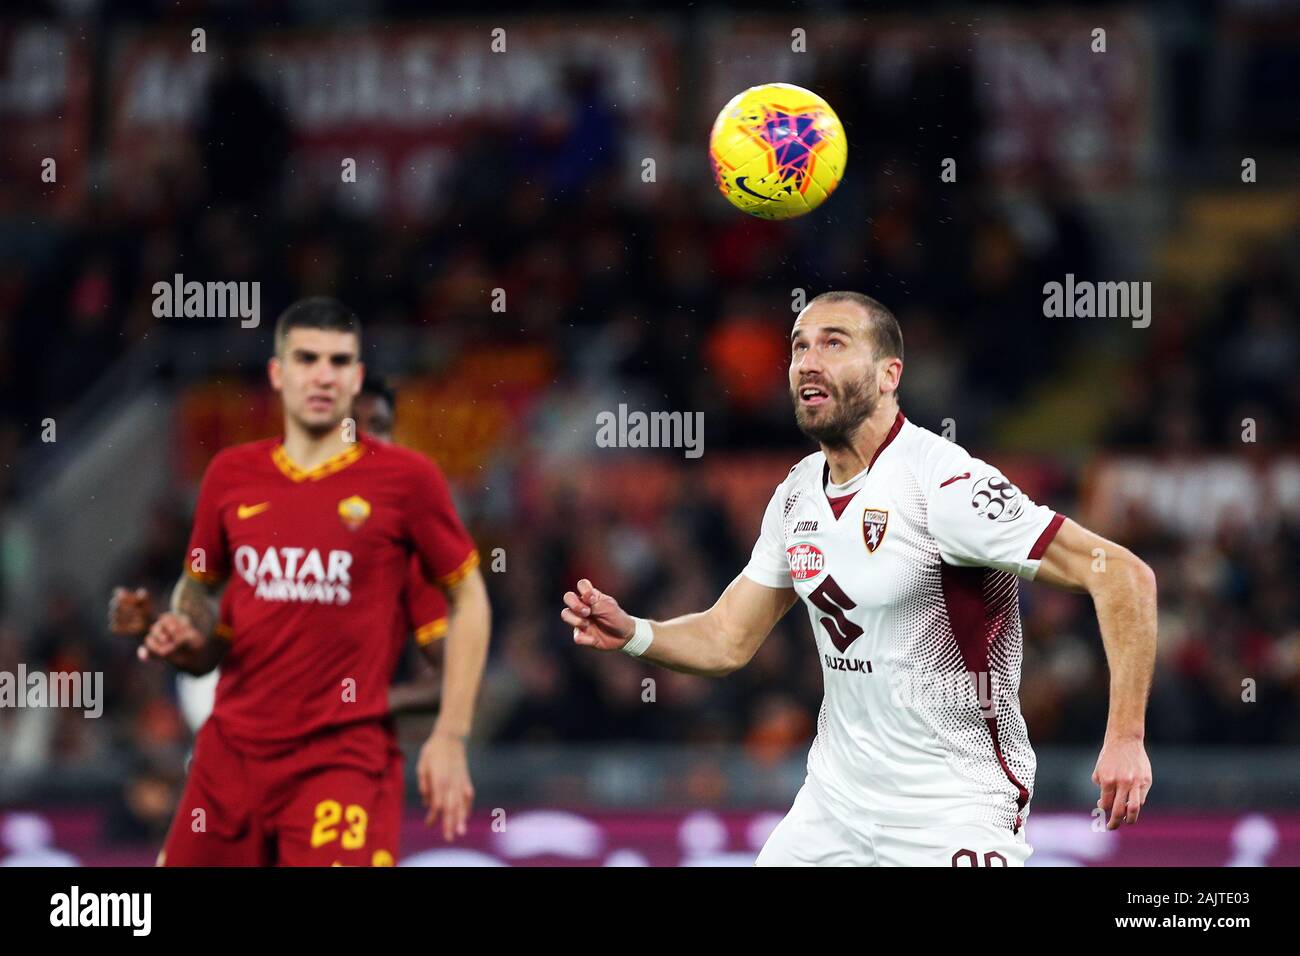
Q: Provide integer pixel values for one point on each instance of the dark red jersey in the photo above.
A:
(317, 563)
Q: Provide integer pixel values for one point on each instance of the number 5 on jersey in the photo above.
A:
(830, 598)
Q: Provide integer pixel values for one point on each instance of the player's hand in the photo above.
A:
(444, 783)
(172, 638)
(596, 618)
(1124, 775)
(130, 612)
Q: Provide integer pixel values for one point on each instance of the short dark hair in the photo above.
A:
(376, 386)
(316, 312)
(886, 336)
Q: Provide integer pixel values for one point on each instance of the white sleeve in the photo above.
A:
(768, 564)
(979, 518)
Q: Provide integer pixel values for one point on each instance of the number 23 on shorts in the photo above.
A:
(329, 815)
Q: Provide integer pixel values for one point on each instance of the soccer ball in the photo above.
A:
(778, 151)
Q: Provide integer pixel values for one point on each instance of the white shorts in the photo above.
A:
(811, 836)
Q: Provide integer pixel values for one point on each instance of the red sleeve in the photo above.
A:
(440, 541)
(208, 557)
(426, 606)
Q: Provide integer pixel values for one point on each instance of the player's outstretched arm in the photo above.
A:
(711, 643)
(185, 635)
(1123, 590)
(443, 767)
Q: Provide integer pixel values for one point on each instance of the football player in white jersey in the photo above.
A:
(907, 553)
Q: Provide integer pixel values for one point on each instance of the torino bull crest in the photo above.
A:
(874, 522)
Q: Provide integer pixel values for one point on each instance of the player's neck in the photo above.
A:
(307, 449)
(848, 460)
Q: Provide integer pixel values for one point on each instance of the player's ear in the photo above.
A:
(275, 372)
(358, 379)
(891, 374)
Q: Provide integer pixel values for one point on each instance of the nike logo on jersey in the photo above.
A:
(249, 511)
(945, 484)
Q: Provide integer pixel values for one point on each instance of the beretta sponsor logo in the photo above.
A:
(806, 561)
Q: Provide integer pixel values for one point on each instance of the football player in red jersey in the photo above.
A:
(313, 535)
(373, 412)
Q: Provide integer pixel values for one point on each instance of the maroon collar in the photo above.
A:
(838, 504)
(893, 433)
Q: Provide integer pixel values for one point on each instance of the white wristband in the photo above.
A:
(640, 640)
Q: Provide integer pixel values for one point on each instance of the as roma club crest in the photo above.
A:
(354, 511)
(874, 521)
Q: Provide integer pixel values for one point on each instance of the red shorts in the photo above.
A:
(333, 799)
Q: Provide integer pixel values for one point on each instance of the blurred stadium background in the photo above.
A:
(522, 171)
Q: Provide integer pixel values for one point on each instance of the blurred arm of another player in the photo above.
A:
(710, 643)
(420, 694)
(443, 767)
(1123, 591)
(184, 636)
(130, 613)
(426, 616)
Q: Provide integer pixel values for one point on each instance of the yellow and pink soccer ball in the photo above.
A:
(778, 151)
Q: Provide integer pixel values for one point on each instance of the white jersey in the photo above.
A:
(912, 593)
(197, 695)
